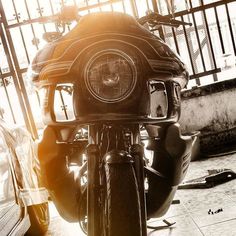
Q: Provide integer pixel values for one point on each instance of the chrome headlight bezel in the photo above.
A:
(130, 62)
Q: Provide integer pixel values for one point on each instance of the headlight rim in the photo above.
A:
(116, 52)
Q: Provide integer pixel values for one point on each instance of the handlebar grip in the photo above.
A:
(48, 19)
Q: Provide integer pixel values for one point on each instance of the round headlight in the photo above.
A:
(110, 76)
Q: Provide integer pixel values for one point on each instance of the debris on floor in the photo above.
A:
(214, 177)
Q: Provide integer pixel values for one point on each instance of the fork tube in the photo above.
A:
(93, 191)
(135, 137)
(137, 152)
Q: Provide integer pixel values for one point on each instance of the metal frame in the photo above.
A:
(207, 41)
(16, 75)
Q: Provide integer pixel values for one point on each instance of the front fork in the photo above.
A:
(137, 152)
(94, 179)
(93, 190)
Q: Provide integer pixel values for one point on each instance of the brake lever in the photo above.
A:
(177, 23)
(154, 19)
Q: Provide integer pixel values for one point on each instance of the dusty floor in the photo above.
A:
(192, 214)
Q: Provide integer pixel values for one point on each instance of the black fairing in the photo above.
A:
(64, 61)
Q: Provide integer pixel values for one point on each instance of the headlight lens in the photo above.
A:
(110, 76)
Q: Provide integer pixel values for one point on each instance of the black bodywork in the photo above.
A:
(65, 60)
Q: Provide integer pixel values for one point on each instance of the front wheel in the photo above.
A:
(122, 213)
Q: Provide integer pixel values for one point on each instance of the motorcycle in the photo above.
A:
(123, 133)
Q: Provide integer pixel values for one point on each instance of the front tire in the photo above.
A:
(122, 203)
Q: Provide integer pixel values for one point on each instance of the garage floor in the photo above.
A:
(193, 216)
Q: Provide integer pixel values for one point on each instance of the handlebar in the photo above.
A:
(70, 13)
(154, 19)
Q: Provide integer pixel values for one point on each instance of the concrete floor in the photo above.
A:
(191, 215)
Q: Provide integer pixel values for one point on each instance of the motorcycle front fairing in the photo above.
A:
(65, 60)
(97, 27)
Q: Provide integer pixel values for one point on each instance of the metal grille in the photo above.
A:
(207, 46)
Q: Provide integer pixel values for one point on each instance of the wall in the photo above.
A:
(211, 110)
